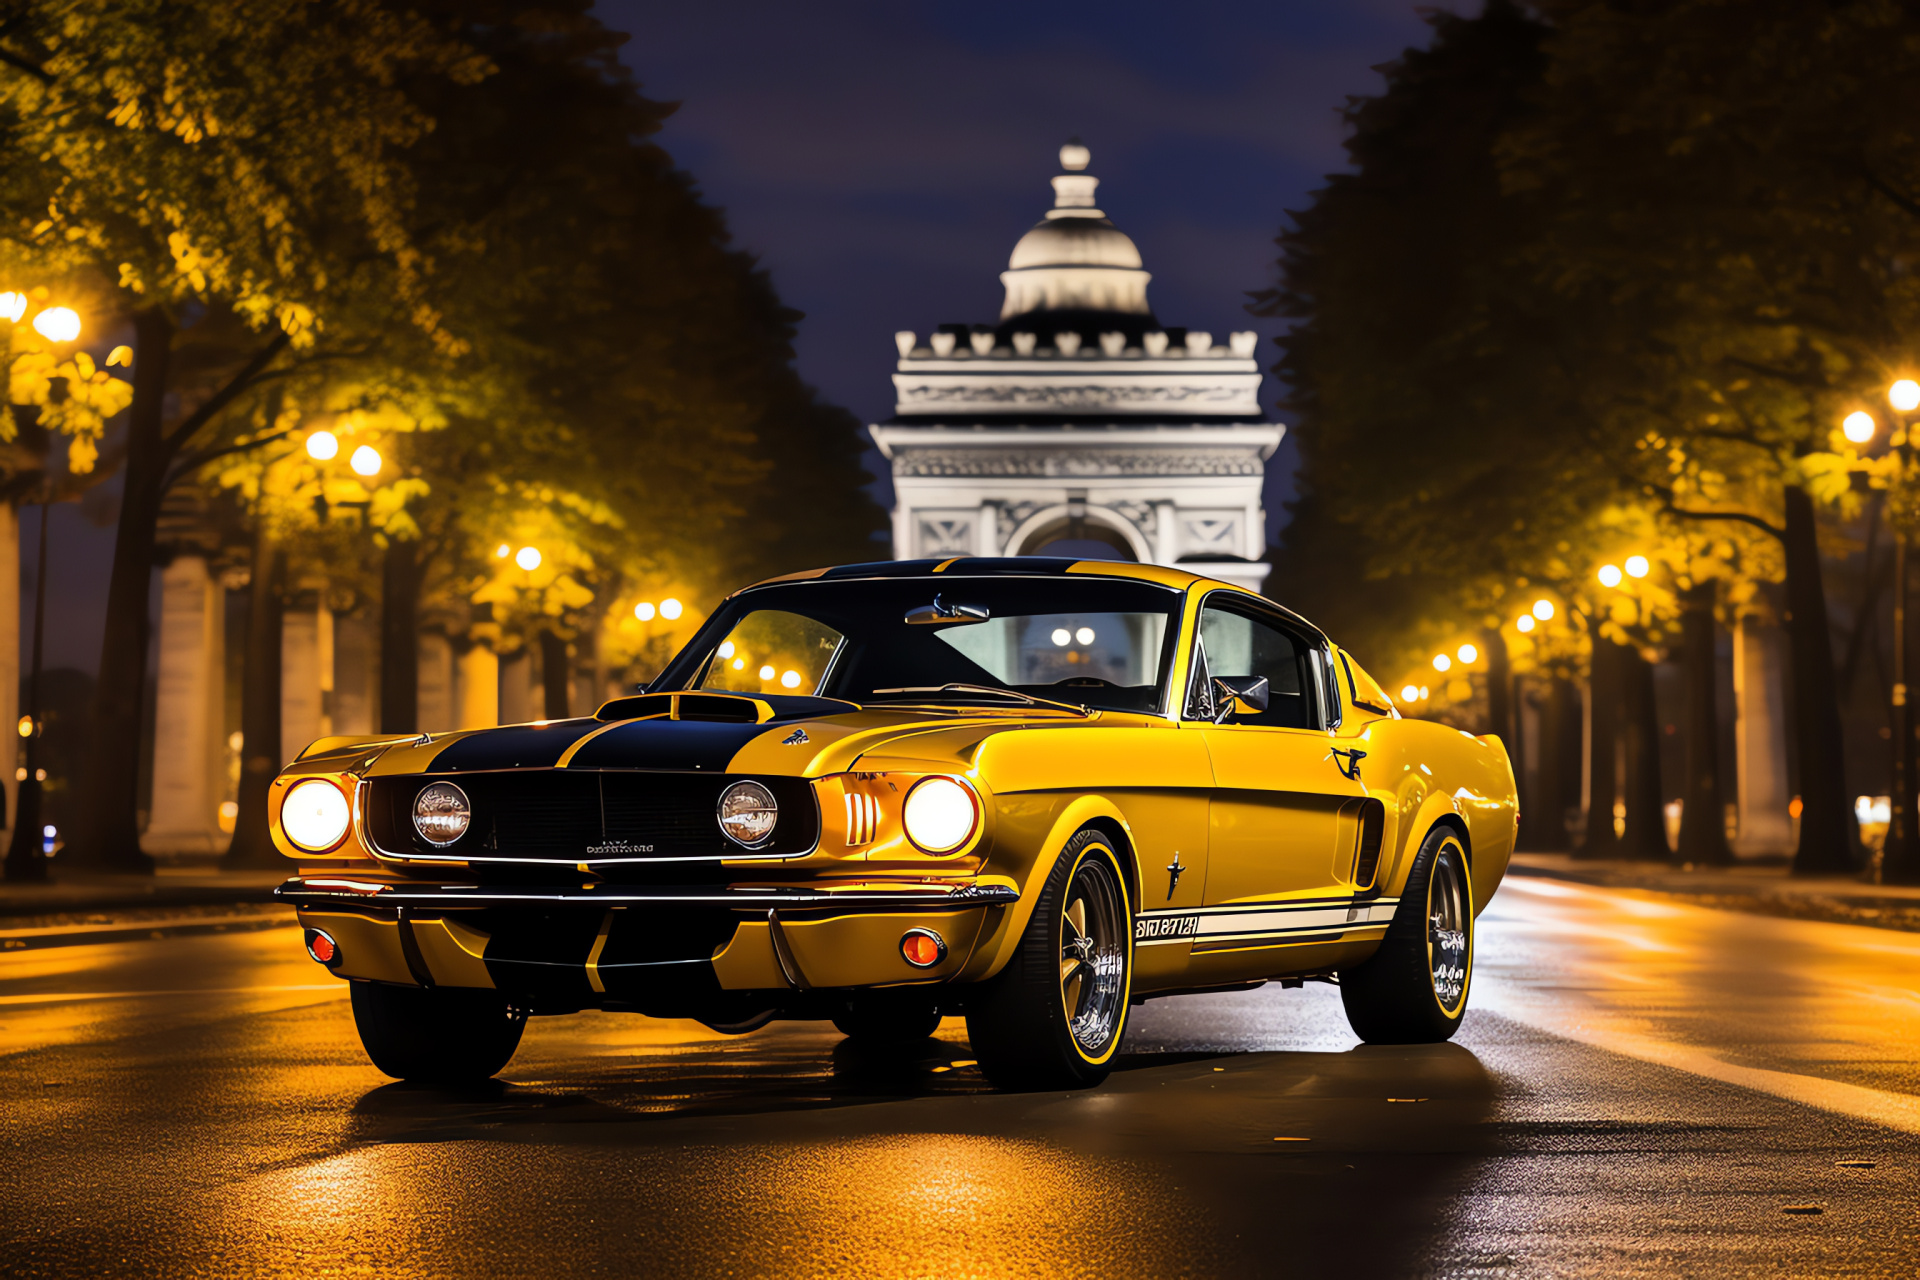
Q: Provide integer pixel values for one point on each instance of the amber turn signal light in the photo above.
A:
(923, 948)
(322, 947)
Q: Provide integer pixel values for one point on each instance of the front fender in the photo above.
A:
(1029, 871)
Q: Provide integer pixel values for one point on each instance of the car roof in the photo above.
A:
(1028, 566)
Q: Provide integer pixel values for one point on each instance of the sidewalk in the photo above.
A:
(194, 884)
(1762, 889)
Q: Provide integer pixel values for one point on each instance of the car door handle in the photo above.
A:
(1350, 767)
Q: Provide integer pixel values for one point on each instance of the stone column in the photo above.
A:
(436, 683)
(10, 650)
(986, 530)
(306, 676)
(1166, 534)
(1760, 739)
(355, 650)
(189, 712)
(479, 688)
(519, 701)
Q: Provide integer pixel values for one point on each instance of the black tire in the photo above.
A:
(891, 1023)
(1414, 988)
(443, 1035)
(1054, 1016)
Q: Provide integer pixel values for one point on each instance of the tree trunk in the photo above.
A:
(1646, 831)
(1603, 732)
(400, 574)
(1829, 838)
(555, 678)
(1703, 822)
(1556, 787)
(1499, 691)
(109, 826)
(252, 846)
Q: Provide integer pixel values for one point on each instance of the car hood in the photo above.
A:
(797, 745)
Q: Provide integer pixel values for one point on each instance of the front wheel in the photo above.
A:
(1414, 989)
(1053, 1018)
(441, 1035)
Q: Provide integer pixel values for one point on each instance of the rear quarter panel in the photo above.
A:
(1424, 773)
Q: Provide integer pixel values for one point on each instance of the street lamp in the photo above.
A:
(528, 558)
(1900, 853)
(26, 854)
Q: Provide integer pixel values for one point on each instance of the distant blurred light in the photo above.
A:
(1904, 395)
(726, 648)
(1062, 636)
(1543, 610)
(323, 446)
(503, 551)
(1859, 426)
(1525, 622)
(1423, 693)
(669, 608)
(528, 558)
(62, 324)
(791, 679)
(13, 305)
(1637, 567)
(26, 726)
(1441, 662)
(1610, 575)
(644, 611)
(1084, 635)
(365, 461)
(1410, 693)
(1467, 654)
(766, 673)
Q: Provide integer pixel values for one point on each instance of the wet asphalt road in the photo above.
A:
(1640, 1088)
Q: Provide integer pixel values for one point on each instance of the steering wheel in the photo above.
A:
(1085, 682)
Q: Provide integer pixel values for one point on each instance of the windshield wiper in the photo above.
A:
(958, 687)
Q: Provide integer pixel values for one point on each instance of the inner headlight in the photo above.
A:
(441, 813)
(940, 814)
(315, 815)
(748, 812)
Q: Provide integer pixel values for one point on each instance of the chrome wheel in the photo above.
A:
(1093, 956)
(1449, 920)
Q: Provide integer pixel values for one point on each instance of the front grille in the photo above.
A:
(569, 815)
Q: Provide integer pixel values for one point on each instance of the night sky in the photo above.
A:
(882, 158)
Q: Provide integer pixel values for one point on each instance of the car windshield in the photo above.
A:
(1091, 642)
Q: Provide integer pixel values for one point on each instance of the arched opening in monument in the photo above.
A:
(1081, 538)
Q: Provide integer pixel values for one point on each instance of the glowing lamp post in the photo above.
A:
(27, 854)
(1900, 854)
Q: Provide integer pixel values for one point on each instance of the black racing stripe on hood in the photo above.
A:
(668, 744)
(518, 746)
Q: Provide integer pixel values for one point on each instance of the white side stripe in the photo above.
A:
(1251, 921)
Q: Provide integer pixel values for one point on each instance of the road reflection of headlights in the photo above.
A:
(940, 814)
(315, 815)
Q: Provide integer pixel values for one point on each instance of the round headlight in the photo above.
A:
(748, 812)
(315, 815)
(940, 814)
(441, 813)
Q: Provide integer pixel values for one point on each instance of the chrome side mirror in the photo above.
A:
(942, 614)
(1247, 695)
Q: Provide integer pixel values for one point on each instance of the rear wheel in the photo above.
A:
(442, 1035)
(1414, 989)
(1053, 1018)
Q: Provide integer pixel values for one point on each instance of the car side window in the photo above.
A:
(1234, 644)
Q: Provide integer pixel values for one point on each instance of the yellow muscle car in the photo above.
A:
(1030, 792)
